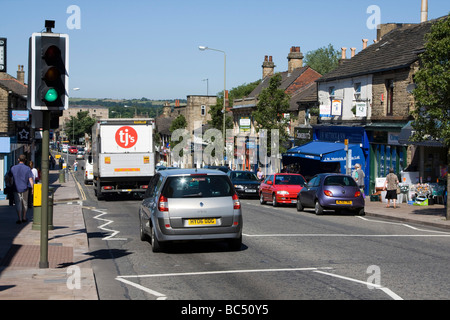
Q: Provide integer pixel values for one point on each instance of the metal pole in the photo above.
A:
(43, 262)
(224, 97)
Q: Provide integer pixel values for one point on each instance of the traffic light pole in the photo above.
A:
(43, 262)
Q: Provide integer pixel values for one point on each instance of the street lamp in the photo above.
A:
(203, 48)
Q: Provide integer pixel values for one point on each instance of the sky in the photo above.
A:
(149, 48)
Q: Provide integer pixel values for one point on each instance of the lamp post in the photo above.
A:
(203, 48)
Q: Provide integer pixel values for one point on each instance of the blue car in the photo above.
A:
(331, 191)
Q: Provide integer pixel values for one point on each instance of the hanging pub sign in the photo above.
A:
(336, 107)
(361, 109)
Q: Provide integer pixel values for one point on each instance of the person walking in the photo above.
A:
(390, 185)
(35, 179)
(359, 177)
(23, 179)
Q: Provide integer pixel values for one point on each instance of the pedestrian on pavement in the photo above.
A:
(359, 177)
(390, 185)
(260, 175)
(23, 179)
(9, 187)
(35, 179)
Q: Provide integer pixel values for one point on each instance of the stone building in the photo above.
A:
(298, 81)
(367, 99)
(15, 136)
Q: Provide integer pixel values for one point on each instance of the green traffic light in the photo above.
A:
(51, 95)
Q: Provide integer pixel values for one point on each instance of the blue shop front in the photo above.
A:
(326, 152)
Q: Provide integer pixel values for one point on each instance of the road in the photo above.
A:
(286, 255)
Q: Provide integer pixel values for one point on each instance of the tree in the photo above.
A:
(272, 104)
(77, 127)
(432, 92)
(323, 60)
(179, 123)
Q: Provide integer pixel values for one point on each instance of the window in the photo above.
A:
(203, 111)
(389, 97)
(331, 92)
(357, 91)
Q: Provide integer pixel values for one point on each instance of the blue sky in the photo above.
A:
(149, 48)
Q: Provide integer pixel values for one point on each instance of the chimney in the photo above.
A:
(424, 11)
(365, 43)
(268, 67)
(21, 75)
(167, 109)
(295, 59)
(353, 51)
(343, 56)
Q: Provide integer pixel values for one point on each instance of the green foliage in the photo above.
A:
(179, 123)
(432, 94)
(77, 127)
(273, 103)
(323, 60)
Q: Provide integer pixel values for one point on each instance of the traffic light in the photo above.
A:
(48, 75)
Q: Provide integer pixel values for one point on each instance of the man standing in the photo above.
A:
(23, 179)
(359, 177)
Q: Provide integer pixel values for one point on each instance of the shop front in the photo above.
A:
(327, 151)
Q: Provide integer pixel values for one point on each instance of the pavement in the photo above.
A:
(70, 275)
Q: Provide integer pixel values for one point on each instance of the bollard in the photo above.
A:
(37, 213)
(62, 176)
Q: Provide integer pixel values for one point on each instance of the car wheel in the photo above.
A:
(261, 199)
(274, 201)
(235, 244)
(299, 205)
(361, 212)
(318, 208)
(156, 247)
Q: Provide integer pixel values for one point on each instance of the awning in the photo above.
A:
(408, 130)
(327, 152)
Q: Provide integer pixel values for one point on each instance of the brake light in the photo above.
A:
(236, 202)
(144, 187)
(327, 193)
(107, 188)
(357, 194)
(163, 204)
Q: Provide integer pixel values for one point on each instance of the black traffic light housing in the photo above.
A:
(48, 75)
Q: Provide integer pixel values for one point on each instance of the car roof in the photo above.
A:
(180, 172)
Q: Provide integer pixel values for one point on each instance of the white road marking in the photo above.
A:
(344, 235)
(389, 292)
(102, 227)
(404, 225)
(161, 296)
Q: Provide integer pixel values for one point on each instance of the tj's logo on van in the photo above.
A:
(126, 137)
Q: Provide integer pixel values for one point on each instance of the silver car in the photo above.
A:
(190, 204)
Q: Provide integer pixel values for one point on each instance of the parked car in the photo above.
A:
(281, 188)
(221, 168)
(190, 204)
(88, 171)
(80, 153)
(331, 191)
(73, 150)
(245, 183)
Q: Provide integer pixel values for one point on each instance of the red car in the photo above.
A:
(73, 150)
(281, 188)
